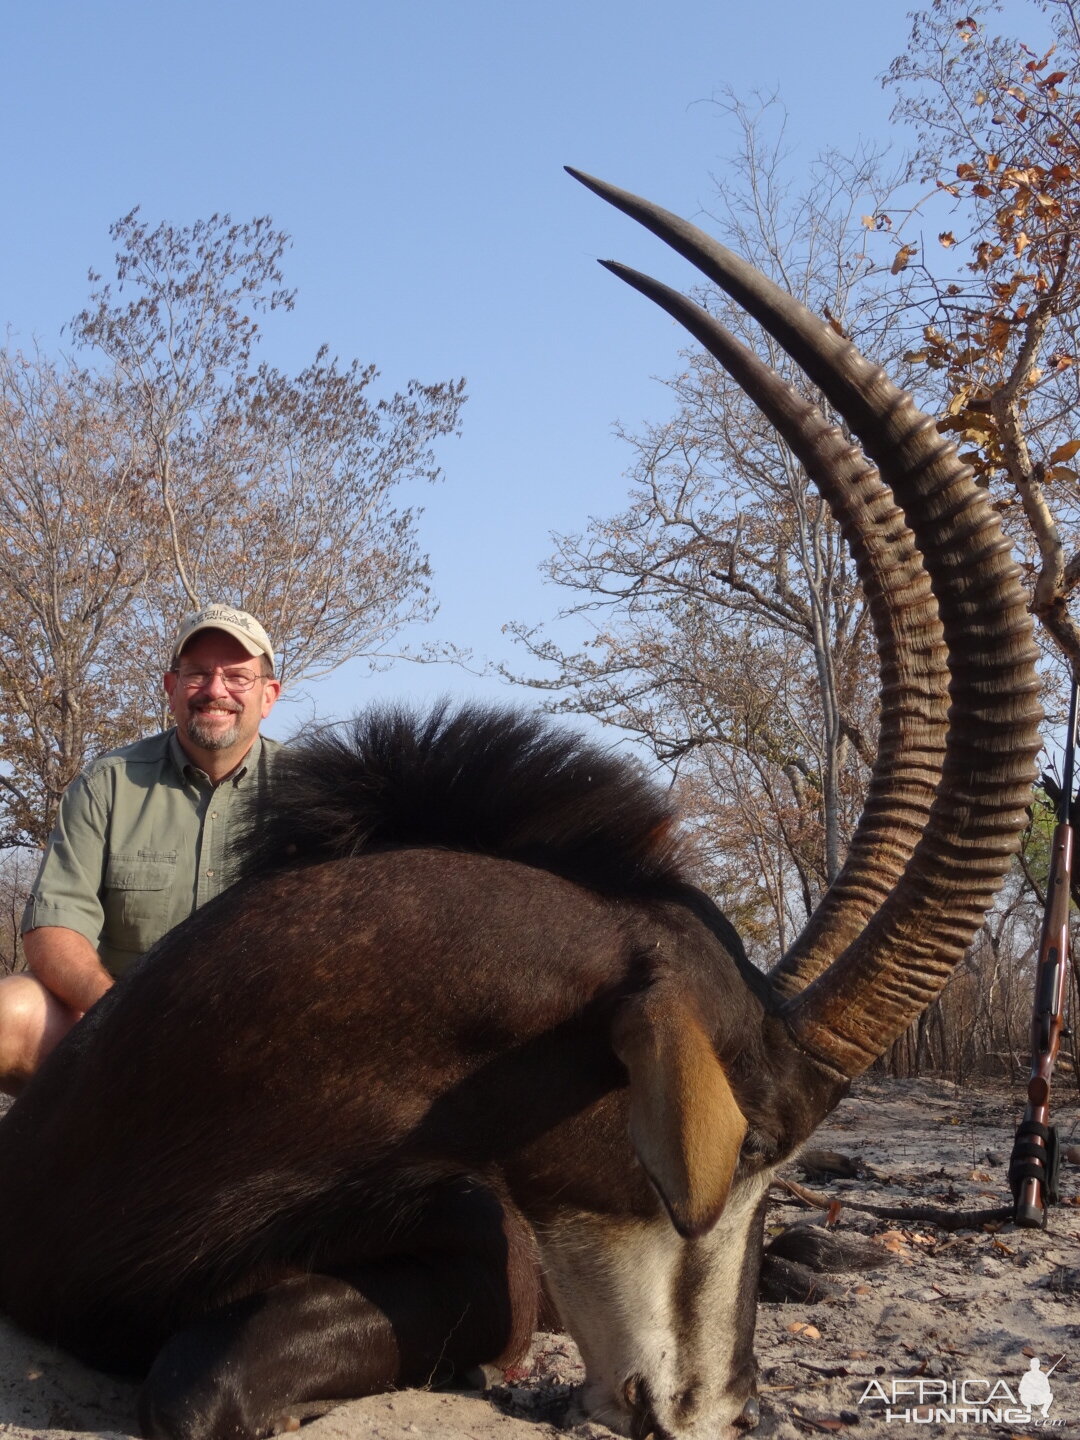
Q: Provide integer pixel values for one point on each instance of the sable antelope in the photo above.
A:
(467, 1021)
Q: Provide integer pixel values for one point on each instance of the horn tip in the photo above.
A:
(589, 181)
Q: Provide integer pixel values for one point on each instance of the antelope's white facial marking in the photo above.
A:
(646, 1306)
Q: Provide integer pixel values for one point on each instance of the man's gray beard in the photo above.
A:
(210, 738)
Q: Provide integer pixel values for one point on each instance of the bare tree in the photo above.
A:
(276, 493)
(76, 546)
(16, 876)
(173, 471)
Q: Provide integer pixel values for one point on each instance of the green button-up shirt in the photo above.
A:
(142, 839)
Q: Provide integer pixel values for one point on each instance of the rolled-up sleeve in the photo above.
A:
(69, 883)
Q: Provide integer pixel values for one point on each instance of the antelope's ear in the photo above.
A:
(684, 1122)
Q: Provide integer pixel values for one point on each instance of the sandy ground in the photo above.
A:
(968, 1305)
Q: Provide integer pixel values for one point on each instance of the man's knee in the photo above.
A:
(32, 1022)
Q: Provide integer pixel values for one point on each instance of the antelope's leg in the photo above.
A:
(408, 1320)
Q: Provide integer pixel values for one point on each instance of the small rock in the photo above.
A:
(784, 1282)
(987, 1265)
(829, 1163)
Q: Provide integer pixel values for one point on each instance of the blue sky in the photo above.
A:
(414, 152)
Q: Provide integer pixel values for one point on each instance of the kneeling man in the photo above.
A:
(142, 836)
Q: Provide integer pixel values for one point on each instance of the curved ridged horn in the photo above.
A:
(856, 979)
(911, 647)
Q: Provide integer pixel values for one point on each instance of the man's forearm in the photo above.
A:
(66, 964)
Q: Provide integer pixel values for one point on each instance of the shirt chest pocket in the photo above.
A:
(138, 898)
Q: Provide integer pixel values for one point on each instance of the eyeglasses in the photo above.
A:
(237, 682)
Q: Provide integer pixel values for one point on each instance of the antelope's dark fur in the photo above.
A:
(488, 781)
(334, 1090)
(493, 782)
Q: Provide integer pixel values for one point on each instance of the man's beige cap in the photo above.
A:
(237, 623)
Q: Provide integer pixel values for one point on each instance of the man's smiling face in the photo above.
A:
(217, 710)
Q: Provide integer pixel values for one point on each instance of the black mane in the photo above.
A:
(487, 780)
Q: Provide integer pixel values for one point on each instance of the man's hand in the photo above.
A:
(67, 965)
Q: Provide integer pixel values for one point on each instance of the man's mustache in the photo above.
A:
(230, 705)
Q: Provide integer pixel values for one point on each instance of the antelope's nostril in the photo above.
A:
(632, 1391)
(751, 1414)
(639, 1402)
(636, 1395)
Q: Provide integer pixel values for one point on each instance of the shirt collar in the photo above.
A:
(187, 770)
